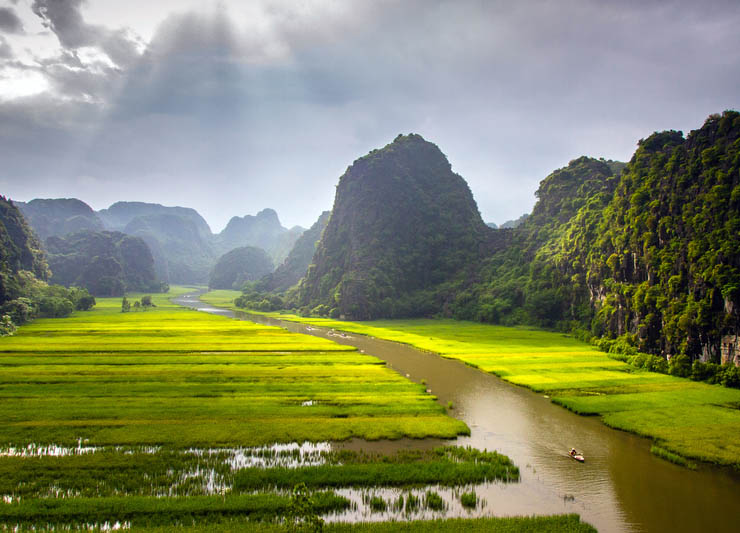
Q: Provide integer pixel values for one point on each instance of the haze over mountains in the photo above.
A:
(182, 245)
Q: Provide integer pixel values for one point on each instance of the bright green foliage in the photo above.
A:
(666, 258)
(303, 512)
(693, 419)
(434, 501)
(149, 511)
(183, 378)
(449, 465)
(469, 500)
(672, 457)
(7, 327)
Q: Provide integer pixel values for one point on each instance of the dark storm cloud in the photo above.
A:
(9, 21)
(63, 17)
(231, 121)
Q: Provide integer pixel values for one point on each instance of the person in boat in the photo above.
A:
(573, 452)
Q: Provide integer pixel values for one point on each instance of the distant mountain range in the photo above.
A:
(181, 243)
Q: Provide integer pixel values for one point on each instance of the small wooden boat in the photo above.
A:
(573, 454)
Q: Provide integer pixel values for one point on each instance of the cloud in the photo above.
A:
(9, 21)
(63, 17)
(231, 111)
(6, 52)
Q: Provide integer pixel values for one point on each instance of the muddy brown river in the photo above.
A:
(621, 486)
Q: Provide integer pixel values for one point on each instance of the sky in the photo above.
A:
(230, 107)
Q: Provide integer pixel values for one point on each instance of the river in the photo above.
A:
(621, 487)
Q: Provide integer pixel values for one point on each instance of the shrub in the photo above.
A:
(434, 501)
(469, 500)
(6, 326)
(20, 310)
(412, 503)
(55, 307)
(377, 504)
(680, 365)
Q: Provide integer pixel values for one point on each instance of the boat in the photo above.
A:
(573, 454)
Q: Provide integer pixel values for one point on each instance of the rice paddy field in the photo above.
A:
(694, 420)
(170, 418)
(176, 377)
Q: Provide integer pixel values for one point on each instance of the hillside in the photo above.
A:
(181, 253)
(59, 216)
(296, 264)
(106, 263)
(120, 214)
(664, 266)
(238, 266)
(262, 230)
(402, 224)
(20, 250)
(647, 253)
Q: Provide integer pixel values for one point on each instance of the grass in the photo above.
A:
(147, 511)
(449, 465)
(672, 457)
(469, 500)
(570, 523)
(165, 395)
(694, 420)
(182, 378)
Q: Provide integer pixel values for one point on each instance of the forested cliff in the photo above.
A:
(402, 224)
(647, 253)
(651, 254)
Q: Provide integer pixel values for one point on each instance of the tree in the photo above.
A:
(125, 305)
(6, 326)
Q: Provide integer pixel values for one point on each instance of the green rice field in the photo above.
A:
(176, 377)
(168, 418)
(694, 420)
(535, 524)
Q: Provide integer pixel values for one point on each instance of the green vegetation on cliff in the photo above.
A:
(296, 264)
(651, 255)
(106, 263)
(24, 293)
(20, 250)
(402, 224)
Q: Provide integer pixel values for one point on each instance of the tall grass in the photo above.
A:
(453, 466)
